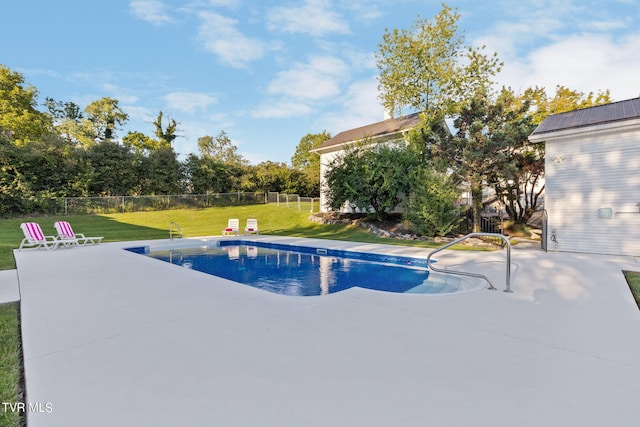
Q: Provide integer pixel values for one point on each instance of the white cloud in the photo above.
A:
(604, 26)
(221, 36)
(315, 80)
(366, 10)
(122, 95)
(281, 110)
(360, 107)
(586, 63)
(314, 17)
(225, 3)
(153, 11)
(141, 114)
(189, 102)
(579, 45)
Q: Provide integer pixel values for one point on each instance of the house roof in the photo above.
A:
(609, 113)
(385, 127)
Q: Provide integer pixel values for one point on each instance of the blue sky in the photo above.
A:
(270, 72)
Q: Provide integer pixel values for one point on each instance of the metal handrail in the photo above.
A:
(464, 273)
(173, 224)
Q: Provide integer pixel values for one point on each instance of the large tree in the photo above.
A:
(67, 118)
(167, 134)
(162, 172)
(20, 121)
(308, 162)
(370, 180)
(221, 149)
(428, 68)
(102, 119)
(111, 170)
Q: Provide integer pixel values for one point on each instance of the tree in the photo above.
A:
(102, 119)
(273, 176)
(308, 163)
(67, 118)
(162, 172)
(50, 167)
(518, 182)
(564, 100)
(482, 145)
(165, 136)
(11, 190)
(111, 170)
(221, 149)
(207, 175)
(371, 180)
(422, 69)
(20, 121)
(431, 206)
(140, 143)
(516, 178)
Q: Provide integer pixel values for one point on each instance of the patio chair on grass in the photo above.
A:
(252, 226)
(68, 237)
(232, 227)
(35, 238)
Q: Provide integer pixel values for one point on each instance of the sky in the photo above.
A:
(268, 72)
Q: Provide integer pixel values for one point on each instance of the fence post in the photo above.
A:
(66, 207)
(299, 208)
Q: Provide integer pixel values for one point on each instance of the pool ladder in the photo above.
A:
(174, 228)
(464, 273)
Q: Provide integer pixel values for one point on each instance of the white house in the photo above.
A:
(386, 131)
(592, 169)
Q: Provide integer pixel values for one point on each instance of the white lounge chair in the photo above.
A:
(68, 237)
(252, 226)
(232, 227)
(35, 238)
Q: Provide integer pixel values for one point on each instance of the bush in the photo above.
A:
(431, 207)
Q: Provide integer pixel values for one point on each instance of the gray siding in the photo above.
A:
(585, 174)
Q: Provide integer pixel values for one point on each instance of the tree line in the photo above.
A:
(472, 136)
(58, 149)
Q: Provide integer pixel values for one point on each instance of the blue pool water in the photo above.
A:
(304, 271)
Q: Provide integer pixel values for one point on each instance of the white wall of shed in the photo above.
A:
(585, 173)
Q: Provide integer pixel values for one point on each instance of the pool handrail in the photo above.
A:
(464, 273)
(178, 230)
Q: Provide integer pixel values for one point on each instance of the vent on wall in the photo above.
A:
(606, 213)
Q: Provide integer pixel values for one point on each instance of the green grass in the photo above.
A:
(633, 279)
(272, 219)
(10, 364)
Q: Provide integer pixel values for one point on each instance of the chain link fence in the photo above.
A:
(121, 204)
(294, 201)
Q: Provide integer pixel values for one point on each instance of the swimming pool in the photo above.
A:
(307, 271)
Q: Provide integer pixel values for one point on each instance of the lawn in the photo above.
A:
(272, 219)
(10, 364)
(633, 279)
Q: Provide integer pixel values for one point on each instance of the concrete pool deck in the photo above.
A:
(115, 338)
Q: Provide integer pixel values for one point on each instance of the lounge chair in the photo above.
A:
(35, 238)
(252, 226)
(232, 227)
(68, 237)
